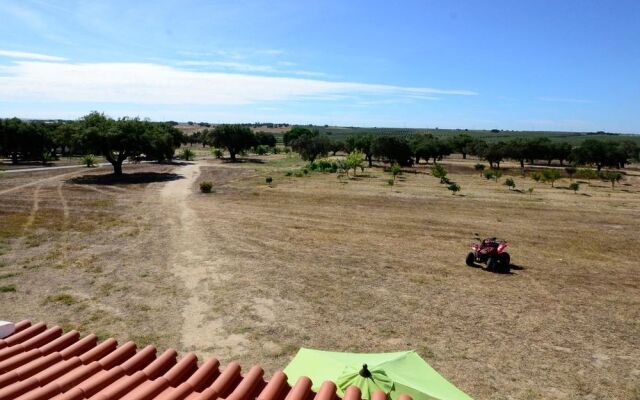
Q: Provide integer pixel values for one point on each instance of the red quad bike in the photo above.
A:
(490, 251)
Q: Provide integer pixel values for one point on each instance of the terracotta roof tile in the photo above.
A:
(37, 363)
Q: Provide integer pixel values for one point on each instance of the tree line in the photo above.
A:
(120, 139)
(413, 149)
(115, 139)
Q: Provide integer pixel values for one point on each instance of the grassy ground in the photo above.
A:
(353, 265)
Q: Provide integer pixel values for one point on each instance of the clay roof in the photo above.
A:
(37, 362)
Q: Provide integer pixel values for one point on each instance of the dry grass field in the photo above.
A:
(252, 272)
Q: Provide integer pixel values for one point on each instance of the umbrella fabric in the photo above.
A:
(378, 380)
(407, 371)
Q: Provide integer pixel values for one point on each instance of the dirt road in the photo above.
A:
(196, 261)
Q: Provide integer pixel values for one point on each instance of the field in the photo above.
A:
(252, 272)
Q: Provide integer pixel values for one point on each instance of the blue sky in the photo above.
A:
(539, 65)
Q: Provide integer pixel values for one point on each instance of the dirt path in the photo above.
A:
(194, 260)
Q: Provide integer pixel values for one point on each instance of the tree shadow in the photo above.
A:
(243, 161)
(127, 179)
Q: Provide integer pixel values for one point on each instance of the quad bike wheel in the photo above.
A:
(492, 263)
(504, 262)
(470, 260)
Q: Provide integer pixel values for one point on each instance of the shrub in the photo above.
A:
(575, 186)
(268, 180)
(497, 174)
(530, 191)
(206, 186)
(355, 160)
(479, 167)
(611, 176)
(298, 174)
(550, 175)
(89, 160)
(323, 165)
(510, 183)
(391, 182)
(536, 176)
(217, 153)
(288, 173)
(275, 150)
(7, 288)
(445, 180)
(261, 150)
(438, 171)
(586, 173)
(395, 170)
(454, 187)
(488, 174)
(305, 171)
(187, 154)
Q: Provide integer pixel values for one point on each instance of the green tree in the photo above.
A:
(311, 145)
(510, 183)
(454, 187)
(479, 167)
(265, 139)
(550, 175)
(354, 160)
(575, 186)
(295, 132)
(362, 143)
(461, 144)
(395, 170)
(128, 137)
(438, 171)
(611, 176)
(235, 138)
(393, 149)
(497, 174)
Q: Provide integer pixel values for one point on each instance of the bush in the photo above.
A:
(89, 160)
(611, 176)
(488, 174)
(217, 153)
(187, 154)
(288, 173)
(586, 173)
(395, 170)
(550, 175)
(438, 171)
(575, 186)
(298, 174)
(206, 186)
(305, 171)
(323, 165)
(510, 183)
(454, 187)
(536, 176)
(497, 174)
(479, 167)
(391, 182)
(268, 180)
(355, 160)
(530, 191)
(261, 150)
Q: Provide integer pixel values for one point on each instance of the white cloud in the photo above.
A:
(23, 55)
(140, 83)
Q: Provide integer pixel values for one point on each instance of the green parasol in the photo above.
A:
(394, 373)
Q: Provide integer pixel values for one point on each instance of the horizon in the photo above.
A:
(545, 67)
